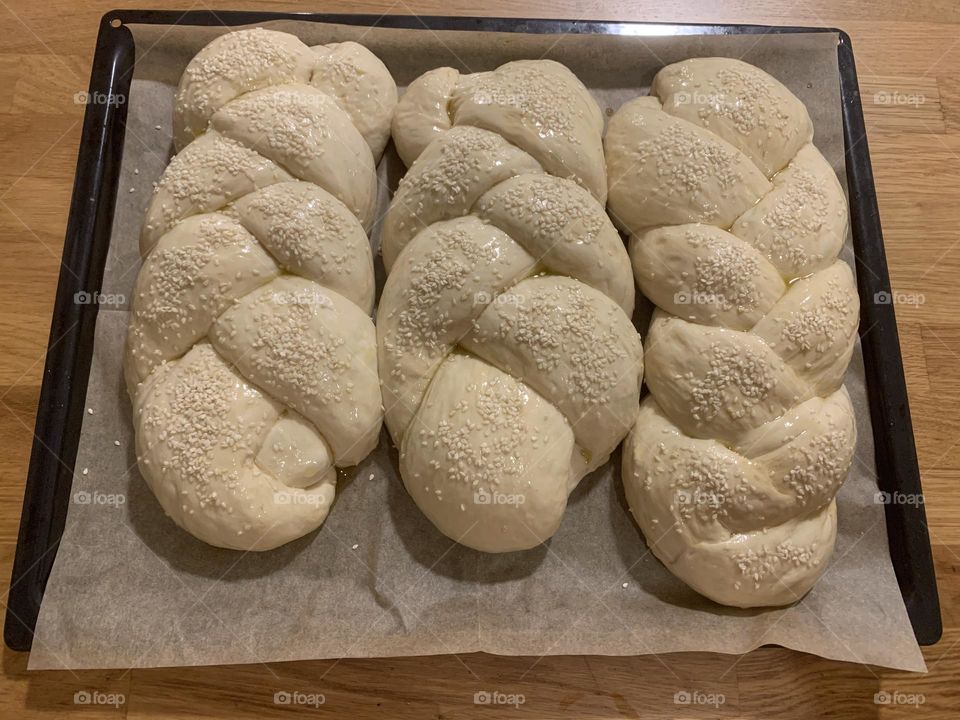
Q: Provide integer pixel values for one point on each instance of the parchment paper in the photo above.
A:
(130, 589)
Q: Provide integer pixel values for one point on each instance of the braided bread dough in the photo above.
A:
(736, 220)
(509, 363)
(251, 355)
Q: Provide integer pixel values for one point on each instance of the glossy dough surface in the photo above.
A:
(736, 223)
(251, 354)
(509, 363)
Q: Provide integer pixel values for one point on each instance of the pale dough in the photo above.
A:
(736, 219)
(251, 356)
(510, 366)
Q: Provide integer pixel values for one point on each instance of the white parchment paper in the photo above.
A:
(130, 589)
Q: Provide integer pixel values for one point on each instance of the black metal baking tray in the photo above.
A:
(60, 411)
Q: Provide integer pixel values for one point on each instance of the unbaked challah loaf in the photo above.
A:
(251, 355)
(747, 434)
(509, 364)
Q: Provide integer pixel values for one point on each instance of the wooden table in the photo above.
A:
(905, 50)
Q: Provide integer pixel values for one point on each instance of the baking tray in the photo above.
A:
(62, 395)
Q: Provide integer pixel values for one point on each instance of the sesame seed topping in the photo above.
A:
(752, 526)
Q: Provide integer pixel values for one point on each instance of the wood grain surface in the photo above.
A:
(907, 55)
